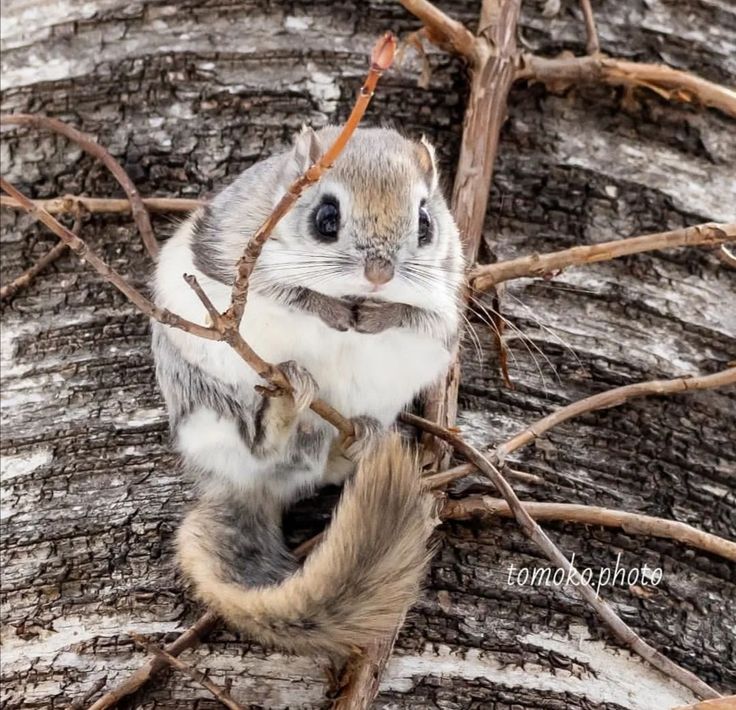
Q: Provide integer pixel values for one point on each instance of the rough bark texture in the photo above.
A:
(186, 95)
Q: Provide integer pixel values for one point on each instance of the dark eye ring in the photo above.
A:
(425, 226)
(326, 221)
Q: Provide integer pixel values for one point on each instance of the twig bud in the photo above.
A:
(383, 52)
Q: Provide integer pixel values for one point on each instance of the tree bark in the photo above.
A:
(186, 96)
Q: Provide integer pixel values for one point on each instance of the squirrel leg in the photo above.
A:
(342, 458)
(278, 416)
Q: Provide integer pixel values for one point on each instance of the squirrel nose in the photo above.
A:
(378, 271)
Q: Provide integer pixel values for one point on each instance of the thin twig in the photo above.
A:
(488, 275)
(188, 639)
(593, 45)
(220, 693)
(441, 479)
(621, 630)
(90, 145)
(381, 59)
(613, 398)
(441, 29)
(637, 523)
(602, 400)
(22, 281)
(105, 205)
(671, 84)
(29, 274)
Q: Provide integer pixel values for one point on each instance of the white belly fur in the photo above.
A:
(358, 374)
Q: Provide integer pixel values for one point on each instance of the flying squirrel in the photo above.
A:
(359, 284)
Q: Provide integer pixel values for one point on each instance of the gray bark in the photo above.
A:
(186, 96)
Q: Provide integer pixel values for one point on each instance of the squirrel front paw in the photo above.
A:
(368, 431)
(336, 313)
(304, 386)
(376, 316)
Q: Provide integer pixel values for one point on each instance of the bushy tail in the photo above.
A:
(355, 586)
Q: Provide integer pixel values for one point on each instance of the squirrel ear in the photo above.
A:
(307, 148)
(426, 158)
(306, 151)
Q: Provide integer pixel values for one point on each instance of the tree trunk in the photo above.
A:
(186, 96)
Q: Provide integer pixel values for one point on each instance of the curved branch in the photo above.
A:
(612, 398)
(88, 144)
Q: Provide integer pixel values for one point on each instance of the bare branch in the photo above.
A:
(637, 523)
(593, 45)
(361, 676)
(613, 398)
(188, 639)
(89, 145)
(438, 480)
(214, 314)
(20, 282)
(671, 84)
(603, 400)
(94, 205)
(441, 29)
(381, 59)
(484, 277)
(622, 631)
(220, 693)
(726, 703)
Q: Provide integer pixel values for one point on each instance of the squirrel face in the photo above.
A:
(375, 226)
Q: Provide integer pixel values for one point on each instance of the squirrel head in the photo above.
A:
(376, 225)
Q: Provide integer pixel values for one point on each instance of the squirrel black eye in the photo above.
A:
(425, 226)
(326, 221)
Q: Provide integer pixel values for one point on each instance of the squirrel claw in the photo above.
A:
(368, 431)
(304, 386)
